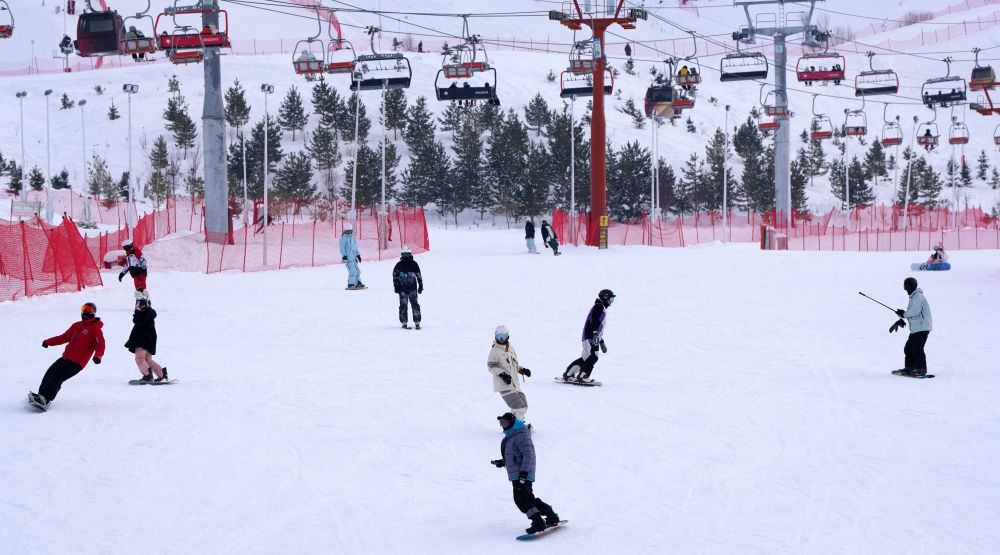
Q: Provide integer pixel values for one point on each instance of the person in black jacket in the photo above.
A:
(407, 283)
(142, 342)
(593, 339)
(549, 238)
(529, 236)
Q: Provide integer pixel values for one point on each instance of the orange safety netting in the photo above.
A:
(38, 259)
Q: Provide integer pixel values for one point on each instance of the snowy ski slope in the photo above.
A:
(747, 408)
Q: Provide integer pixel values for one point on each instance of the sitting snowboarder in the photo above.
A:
(938, 256)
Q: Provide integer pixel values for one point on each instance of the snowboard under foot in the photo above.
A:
(908, 375)
(140, 382)
(525, 537)
(39, 406)
(585, 384)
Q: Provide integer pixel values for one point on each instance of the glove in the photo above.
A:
(604, 348)
(498, 463)
(121, 276)
(522, 477)
(396, 289)
(545, 243)
(525, 372)
(45, 345)
(97, 360)
(505, 377)
(900, 312)
(595, 340)
(420, 290)
(359, 258)
(898, 324)
(343, 259)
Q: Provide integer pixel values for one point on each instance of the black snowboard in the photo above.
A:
(584, 384)
(907, 375)
(140, 382)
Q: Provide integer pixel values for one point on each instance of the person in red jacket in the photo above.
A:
(135, 264)
(84, 339)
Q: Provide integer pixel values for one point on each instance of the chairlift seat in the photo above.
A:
(997, 140)
(927, 140)
(743, 67)
(140, 45)
(193, 40)
(464, 70)
(308, 67)
(768, 125)
(879, 81)
(184, 57)
(683, 103)
(582, 65)
(776, 111)
(856, 131)
(892, 141)
(689, 80)
(372, 73)
(466, 92)
(829, 75)
(820, 135)
(958, 140)
(6, 31)
(340, 67)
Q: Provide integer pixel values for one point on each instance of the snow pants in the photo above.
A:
(60, 371)
(411, 298)
(526, 501)
(583, 366)
(516, 400)
(914, 350)
(554, 245)
(353, 272)
(139, 281)
(144, 360)
(530, 241)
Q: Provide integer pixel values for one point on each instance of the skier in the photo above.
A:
(135, 265)
(407, 283)
(84, 340)
(529, 236)
(593, 330)
(549, 238)
(142, 342)
(502, 363)
(517, 454)
(938, 255)
(351, 256)
(918, 313)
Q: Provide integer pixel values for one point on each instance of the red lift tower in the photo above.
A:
(598, 20)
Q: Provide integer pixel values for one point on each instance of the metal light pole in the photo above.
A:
(572, 172)
(652, 171)
(847, 174)
(354, 172)
(725, 178)
(129, 90)
(20, 97)
(909, 174)
(48, 160)
(83, 138)
(267, 90)
(383, 242)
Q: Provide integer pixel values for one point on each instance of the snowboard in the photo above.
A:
(32, 402)
(935, 267)
(140, 382)
(591, 384)
(409, 327)
(900, 373)
(356, 288)
(525, 537)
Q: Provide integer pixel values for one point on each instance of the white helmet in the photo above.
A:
(126, 243)
(348, 227)
(501, 331)
(406, 250)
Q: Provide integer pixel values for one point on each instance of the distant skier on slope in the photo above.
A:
(517, 454)
(135, 265)
(84, 339)
(593, 338)
(351, 256)
(918, 314)
(502, 364)
(142, 342)
(529, 235)
(407, 283)
(549, 238)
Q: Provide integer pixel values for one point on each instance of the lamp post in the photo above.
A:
(572, 173)
(725, 177)
(267, 90)
(48, 159)
(243, 148)
(129, 90)
(83, 136)
(909, 175)
(20, 97)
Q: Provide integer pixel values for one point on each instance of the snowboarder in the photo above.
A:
(407, 283)
(351, 256)
(593, 331)
(529, 236)
(84, 340)
(135, 265)
(517, 454)
(502, 363)
(918, 313)
(142, 342)
(938, 255)
(549, 238)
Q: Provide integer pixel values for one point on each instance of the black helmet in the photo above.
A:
(88, 311)
(910, 284)
(606, 295)
(506, 420)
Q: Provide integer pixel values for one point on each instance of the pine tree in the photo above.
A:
(173, 84)
(113, 111)
(817, 156)
(292, 115)
(630, 110)
(690, 125)
(329, 105)
(716, 154)
(453, 117)
(255, 157)
(994, 178)
(507, 159)
(16, 182)
(428, 175)
(419, 130)
(531, 196)
(123, 186)
(395, 111)
(536, 114)
(558, 164)
(798, 185)
(325, 151)
(61, 181)
(469, 169)
(630, 66)
(630, 174)
(346, 124)
(951, 172)
(747, 139)
(294, 178)
(237, 109)
(930, 186)
(692, 184)
(36, 179)
(369, 190)
(925, 185)
(194, 184)
(669, 199)
(982, 166)
(489, 116)
(180, 124)
(756, 187)
(965, 176)
(99, 181)
(65, 102)
(875, 164)
(861, 192)
(159, 160)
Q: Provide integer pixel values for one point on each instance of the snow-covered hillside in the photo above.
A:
(738, 415)
(541, 47)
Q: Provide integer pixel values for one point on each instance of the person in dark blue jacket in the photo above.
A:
(407, 283)
(517, 454)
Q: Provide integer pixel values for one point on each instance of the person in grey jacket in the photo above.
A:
(517, 454)
(918, 314)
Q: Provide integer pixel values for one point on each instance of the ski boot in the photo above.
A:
(146, 378)
(416, 325)
(918, 372)
(537, 524)
(405, 326)
(164, 378)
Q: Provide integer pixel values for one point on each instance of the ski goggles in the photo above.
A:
(502, 336)
(88, 308)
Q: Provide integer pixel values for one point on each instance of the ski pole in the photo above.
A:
(881, 303)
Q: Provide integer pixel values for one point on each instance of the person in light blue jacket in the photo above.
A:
(350, 256)
(918, 315)
(517, 453)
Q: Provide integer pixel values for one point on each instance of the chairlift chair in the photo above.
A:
(927, 134)
(958, 134)
(983, 77)
(572, 84)
(856, 124)
(7, 25)
(304, 58)
(892, 134)
(336, 61)
(876, 81)
(770, 104)
(377, 71)
(99, 33)
(137, 44)
(464, 62)
(581, 57)
(996, 135)
(935, 91)
(743, 66)
(824, 67)
(187, 37)
(692, 76)
(822, 127)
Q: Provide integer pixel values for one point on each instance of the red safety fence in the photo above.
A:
(871, 228)
(38, 259)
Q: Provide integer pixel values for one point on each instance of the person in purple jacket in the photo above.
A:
(517, 455)
(593, 331)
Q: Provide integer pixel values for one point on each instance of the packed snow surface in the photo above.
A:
(747, 407)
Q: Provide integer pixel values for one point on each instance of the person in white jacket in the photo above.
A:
(502, 364)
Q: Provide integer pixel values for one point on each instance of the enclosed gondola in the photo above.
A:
(983, 77)
(99, 33)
